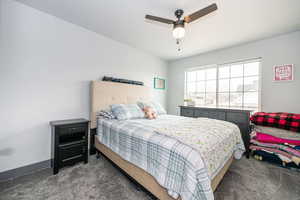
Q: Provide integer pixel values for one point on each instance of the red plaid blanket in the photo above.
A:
(288, 121)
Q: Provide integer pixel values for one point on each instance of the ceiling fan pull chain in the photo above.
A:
(178, 42)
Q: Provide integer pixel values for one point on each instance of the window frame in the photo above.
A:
(217, 66)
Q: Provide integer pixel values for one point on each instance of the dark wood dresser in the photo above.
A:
(239, 117)
(69, 142)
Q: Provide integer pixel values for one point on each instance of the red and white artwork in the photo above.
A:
(283, 73)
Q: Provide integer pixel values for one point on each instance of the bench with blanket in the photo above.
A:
(276, 138)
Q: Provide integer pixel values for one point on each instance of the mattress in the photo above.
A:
(183, 165)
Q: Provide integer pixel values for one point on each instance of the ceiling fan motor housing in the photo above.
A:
(178, 13)
(179, 23)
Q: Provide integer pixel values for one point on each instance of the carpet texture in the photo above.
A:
(99, 179)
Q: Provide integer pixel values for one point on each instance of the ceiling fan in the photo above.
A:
(178, 25)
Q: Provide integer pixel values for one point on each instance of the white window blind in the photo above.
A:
(231, 85)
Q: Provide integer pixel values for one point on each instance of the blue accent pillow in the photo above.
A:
(127, 111)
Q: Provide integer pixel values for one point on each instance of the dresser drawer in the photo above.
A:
(201, 113)
(220, 115)
(187, 112)
(210, 114)
(237, 117)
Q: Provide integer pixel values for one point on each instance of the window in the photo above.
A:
(234, 85)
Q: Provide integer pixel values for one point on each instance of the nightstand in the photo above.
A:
(69, 142)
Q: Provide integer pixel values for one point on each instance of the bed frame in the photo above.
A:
(105, 93)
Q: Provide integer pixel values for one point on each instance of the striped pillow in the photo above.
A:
(156, 107)
(127, 111)
(106, 114)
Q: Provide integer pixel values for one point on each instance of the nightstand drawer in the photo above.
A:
(71, 150)
(71, 133)
(65, 130)
(72, 160)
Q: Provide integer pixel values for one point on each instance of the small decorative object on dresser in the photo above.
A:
(189, 102)
(69, 142)
(239, 117)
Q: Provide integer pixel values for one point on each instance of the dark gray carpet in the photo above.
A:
(246, 179)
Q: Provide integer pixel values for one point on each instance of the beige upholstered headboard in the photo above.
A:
(105, 93)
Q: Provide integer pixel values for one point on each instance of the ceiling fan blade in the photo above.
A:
(159, 19)
(200, 13)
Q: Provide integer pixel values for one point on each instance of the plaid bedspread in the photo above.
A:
(176, 166)
(287, 121)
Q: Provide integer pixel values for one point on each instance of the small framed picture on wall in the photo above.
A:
(283, 73)
(159, 83)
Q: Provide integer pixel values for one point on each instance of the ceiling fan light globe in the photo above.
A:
(178, 32)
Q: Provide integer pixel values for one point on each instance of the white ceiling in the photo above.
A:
(235, 22)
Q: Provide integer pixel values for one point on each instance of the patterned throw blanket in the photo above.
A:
(287, 121)
(202, 134)
(181, 164)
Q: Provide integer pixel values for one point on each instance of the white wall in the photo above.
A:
(45, 69)
(284, 49)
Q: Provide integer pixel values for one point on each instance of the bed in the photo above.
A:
(112, 135)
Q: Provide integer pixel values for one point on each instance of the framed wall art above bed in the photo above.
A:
(159, 83)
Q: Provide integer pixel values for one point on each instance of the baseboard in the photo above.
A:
(21, 171)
